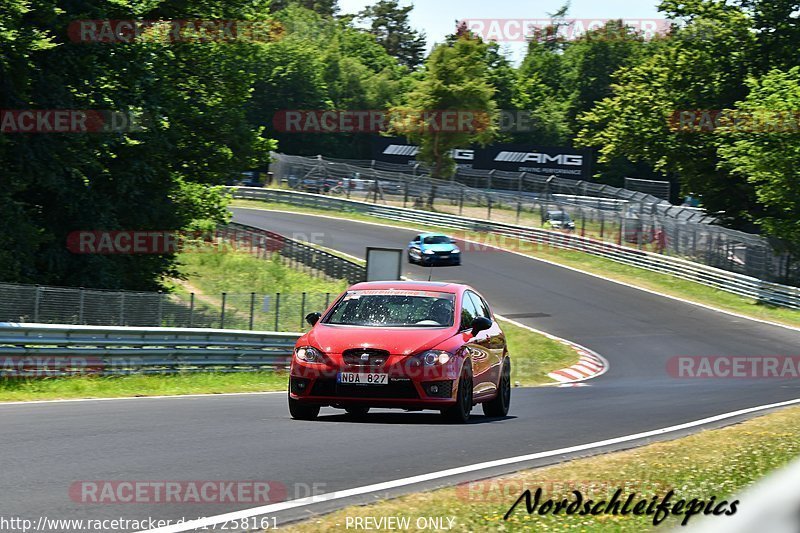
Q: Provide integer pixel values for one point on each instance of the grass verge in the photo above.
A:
(533, 355)
(712, 463)
(57, 388)
(214, 271)
(630, 275)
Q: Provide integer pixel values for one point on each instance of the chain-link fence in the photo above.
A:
(251, 311)
(629, 218)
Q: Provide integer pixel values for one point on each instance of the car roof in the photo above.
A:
(432, 234)
(437, 286)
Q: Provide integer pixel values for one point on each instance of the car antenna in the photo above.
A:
(430, 273)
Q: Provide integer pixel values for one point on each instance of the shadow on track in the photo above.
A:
(417, 419)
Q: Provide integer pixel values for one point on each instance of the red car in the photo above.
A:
(408, 345)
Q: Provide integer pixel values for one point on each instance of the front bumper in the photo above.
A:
(452, 259)
(423, 387)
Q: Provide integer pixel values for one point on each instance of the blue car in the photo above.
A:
(433, 249)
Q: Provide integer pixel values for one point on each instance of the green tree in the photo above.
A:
(701, 66)
(194, 94)
(770, 160)
(326, 8)
(456, 77)
(389, 25)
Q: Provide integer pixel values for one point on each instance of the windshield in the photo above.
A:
(559, 215)
(386, 308)
(437, 239)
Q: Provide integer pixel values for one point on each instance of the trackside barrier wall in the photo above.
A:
(56, 349)
(599, 211)
(750, 287)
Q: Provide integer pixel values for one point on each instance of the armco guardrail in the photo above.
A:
(599, 211)
(314, 258)
(772, 293)
(42, 350)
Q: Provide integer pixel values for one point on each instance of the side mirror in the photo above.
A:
(313, 318)
(480, 323)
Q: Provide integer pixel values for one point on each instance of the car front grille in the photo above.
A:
(394, 389)
(374, 358)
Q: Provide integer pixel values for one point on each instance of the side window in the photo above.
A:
(481, 305)
(416, 239)
(468, 311)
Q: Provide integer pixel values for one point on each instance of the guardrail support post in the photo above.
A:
(36, 300)
(122, 309)
(80, 306)
(222, 312)
(191, 310)
(252, 308)
(302, 310)
(277, 310)
(160, 307)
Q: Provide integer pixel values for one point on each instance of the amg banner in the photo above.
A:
(572, 163)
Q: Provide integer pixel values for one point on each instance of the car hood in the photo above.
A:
(397, 341)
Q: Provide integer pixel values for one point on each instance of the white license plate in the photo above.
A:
(355, 378)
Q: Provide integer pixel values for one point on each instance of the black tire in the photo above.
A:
(411, 259)
(356, 411)
(302, 411)
(459, 413)
(498, 406)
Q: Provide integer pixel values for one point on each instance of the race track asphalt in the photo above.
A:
(47, 447)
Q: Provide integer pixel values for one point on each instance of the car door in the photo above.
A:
(497, 339)
(478, 346)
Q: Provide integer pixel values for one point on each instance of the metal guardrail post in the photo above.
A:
(252, 308)
(160, 307)
(222, 312)
(302, 310)
(80, 305)
(191, 310)
(277, 311)
(122, 309)
(36, 302)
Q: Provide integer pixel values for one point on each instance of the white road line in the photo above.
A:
(624, 284)
(174, 396)
(388, 485)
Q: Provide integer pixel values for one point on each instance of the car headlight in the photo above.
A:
(307, 354)
(428, 252)
(434, 357)
(455, 250)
